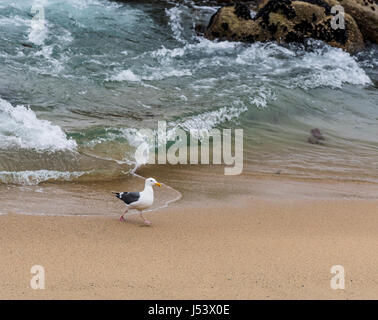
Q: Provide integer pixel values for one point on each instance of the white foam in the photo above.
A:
(38, 25)
(324, 66)
(203, 46)
(175, 22)
(37, 34)
(125, 75)
(15, 21)
(159, 74)
(265, 56)
(36, 177)
(206, 121)
(328, 67)
(151, 74)
(83, 4)
(168, 66)
(54, 66)
(261, 98)
(20, 127)
(65, 36)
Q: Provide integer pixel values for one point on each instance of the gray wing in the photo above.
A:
(128, 197)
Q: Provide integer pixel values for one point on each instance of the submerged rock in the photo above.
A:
(316, 137)
(284, 21)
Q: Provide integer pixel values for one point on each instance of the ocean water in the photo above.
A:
(75, 91)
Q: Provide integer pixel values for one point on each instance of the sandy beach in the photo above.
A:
(247, 248)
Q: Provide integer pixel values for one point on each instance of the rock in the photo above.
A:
(316, 137)
(317, 134)
(284, 21)
(313, 140)
(26, 45)
(365, 13)
(261, 3)
(228, 24)
(200, 29)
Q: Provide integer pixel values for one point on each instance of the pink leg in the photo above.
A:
(121, 218)
(144, 219)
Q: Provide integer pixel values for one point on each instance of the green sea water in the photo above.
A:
(75, 92)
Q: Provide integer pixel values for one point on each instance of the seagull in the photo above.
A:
(139, 200)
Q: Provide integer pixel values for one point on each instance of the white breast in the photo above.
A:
(146, 199)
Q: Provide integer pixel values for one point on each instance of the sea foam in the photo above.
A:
(36, 177)
(20, 127)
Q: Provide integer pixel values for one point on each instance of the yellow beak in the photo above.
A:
(158, 184)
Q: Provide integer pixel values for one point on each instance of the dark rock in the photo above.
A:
(316, 137)
(284, 21)
(317, 134)
(26, 45)
(242, 11)
(365, 13)
(200, 29)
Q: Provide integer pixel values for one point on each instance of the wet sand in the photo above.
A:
(247, 247)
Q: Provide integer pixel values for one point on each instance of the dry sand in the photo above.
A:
(252, 248)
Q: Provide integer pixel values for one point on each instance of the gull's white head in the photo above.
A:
(152, 182)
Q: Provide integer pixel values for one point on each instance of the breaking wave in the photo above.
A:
(20, 127)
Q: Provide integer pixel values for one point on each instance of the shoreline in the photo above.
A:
(95, 198)
(252, 247)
